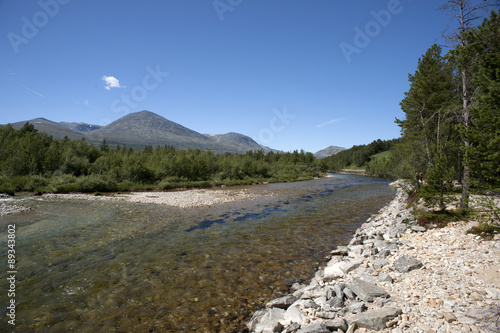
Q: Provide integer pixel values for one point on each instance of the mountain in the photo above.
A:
(143, 128)
(329, 151)
(81, 127)
(56, 130)
(235, 139)
(147, 128)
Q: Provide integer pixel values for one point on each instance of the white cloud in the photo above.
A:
(111, 82)
(336, 120)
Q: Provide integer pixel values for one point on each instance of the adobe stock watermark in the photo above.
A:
(373, 28)
(223, 6)
(277, 124)
(30, 28)
(127, 102)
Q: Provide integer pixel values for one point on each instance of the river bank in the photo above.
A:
(181, 199)
(10, 209)
(395, 276)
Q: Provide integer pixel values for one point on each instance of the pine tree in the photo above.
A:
(481, 53)
(425, 104)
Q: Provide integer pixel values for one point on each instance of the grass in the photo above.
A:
(383, 154)
(439, 219)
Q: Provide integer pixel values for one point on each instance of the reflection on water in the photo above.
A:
(122, 267)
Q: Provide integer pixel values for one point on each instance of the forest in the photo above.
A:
(450, 133)
(35, 162)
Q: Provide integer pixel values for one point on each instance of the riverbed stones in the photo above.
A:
(337, 324)
(8, 209)
(314, 328)
(448, 273)
(182, 199)
(374, 319)
(271, 321)
(367, 291)
(407, 263)
(282, 302)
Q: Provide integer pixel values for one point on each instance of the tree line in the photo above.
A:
(450, 133)
(33, 161)
(451, 129)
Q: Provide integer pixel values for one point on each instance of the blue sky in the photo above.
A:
(292, 74)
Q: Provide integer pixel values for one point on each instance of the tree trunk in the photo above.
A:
(464, 200)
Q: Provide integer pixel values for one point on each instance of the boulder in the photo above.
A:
(271, 322)
(374, 319)
(337, 324)
(292, 328)
(407, 263)
(348, 293)
(295, 315)
(418, 228)
(257, 316)
(340, 269)
(340, 251)
(336, 302)
(379, 263)
(282, 302)
(366, 291)
(314, 328)
(326, 314)
(384, 277)
(335, 271)
(356, 307)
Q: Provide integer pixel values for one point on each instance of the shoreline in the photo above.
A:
(181, 199)
(395, 276)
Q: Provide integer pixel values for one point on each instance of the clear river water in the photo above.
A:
(95, 266)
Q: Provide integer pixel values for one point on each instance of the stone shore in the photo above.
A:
(182, 199)
(395, 276)
(9, 209)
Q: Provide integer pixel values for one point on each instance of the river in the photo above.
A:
(95, 266)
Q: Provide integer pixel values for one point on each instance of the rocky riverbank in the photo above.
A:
(9, 209)
(395, 276)
(182, 199)
(6, 209)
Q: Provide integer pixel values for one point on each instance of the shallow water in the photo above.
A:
(88, 266)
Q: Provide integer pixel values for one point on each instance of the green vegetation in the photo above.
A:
(450, 133)
(451, 130)
(375, 157)
(35, 162)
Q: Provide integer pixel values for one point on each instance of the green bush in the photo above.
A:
(93, 183)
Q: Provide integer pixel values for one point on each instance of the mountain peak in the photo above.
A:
(139, 129)
(328, 151)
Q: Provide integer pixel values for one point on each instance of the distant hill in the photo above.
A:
(143, 128)
(329, 151)
(81, 127)
(56, 130)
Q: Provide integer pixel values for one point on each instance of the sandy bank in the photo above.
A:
(182, 199)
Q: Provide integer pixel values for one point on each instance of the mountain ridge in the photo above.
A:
(328, 151)
(144, 128)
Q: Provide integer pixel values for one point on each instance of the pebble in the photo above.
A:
(454, 285)
(182, 199)
(8, 209)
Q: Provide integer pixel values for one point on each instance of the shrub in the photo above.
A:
(95, 183)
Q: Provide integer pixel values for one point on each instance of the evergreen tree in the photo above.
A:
(425, 104)
(466, 12)
(481, 54)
